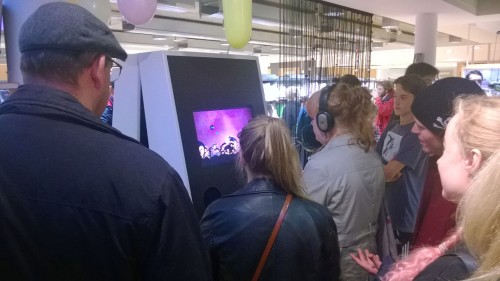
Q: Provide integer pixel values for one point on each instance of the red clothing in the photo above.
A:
(436, 216)
(385, 107)
(110, 101)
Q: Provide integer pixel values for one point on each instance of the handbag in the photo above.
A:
(272, 237)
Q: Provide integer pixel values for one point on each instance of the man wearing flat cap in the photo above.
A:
(78, 199)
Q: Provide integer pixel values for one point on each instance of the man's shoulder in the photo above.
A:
(142, 164)
(123, 144)
(149, 160)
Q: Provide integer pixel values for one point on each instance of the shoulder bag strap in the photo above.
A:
(270, 242)
(469, 261)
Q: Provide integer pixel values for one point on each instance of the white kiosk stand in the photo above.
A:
(174, 102)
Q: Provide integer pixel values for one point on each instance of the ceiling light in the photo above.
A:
(334, 14)
(159, 37)
(168, 8)
(218, 15)
(265, 22)
(388, 23)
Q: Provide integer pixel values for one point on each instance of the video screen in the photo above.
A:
(217, 133)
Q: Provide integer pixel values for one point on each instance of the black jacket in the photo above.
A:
(456, 264)
(81, 201)
(236, 229)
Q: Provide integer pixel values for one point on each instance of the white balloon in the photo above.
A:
(99, 8)
(137, 11)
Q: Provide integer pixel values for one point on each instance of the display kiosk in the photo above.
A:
(189, 108)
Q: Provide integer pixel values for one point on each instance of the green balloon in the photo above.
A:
(237, 22)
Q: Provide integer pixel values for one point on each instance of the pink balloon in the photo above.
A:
(137, 11)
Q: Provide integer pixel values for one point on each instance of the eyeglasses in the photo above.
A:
(116, 70)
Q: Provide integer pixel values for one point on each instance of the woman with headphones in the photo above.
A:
(346, 175)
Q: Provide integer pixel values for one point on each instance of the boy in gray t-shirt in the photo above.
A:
(404, 161)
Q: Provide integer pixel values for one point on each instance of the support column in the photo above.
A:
(15, 12)
(426, 38)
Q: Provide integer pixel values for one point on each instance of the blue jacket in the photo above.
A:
(81, 201)
(236, 229)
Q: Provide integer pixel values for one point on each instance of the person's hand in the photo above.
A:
(395, 178)
(368, 261)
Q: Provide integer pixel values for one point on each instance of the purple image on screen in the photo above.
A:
(217, 130)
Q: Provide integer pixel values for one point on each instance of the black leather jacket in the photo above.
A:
(236, 229)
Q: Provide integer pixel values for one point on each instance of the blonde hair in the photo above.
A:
(478, 126)
(479, 218)
(353, 109)
(478, 123)
(267, 149)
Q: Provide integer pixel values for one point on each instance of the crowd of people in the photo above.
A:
(81, 201)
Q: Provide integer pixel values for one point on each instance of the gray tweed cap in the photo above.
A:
(65, 26)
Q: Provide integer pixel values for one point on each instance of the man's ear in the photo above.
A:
(473, 161)
(97, 69)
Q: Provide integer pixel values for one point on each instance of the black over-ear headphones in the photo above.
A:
(324, 119)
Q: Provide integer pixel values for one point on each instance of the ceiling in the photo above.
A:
(455, 17)
(475, 22)
(196, 25)
(186, 24)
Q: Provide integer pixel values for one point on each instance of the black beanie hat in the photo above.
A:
(65, 26)
(433, 106)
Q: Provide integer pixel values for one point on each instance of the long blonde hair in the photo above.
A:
(478, 123)
(267, 149)
(353, 109)
(479, 218)
(479, 211)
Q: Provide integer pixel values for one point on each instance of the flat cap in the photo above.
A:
(65, 26)
(433, 106)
